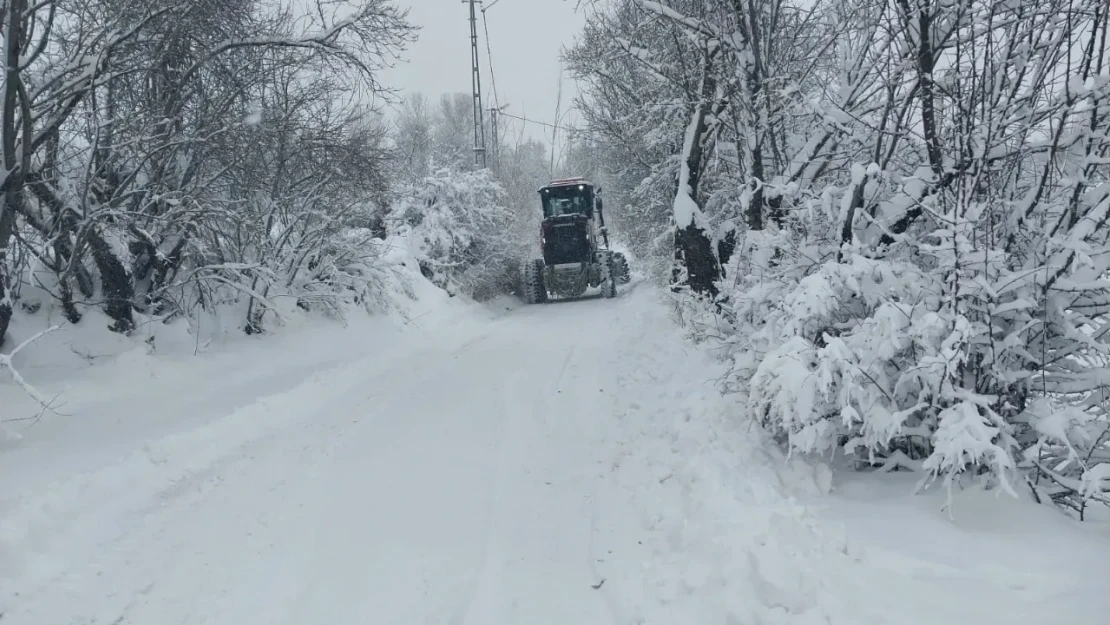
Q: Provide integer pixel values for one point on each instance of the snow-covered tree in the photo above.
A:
(909, 202)
(138, 138)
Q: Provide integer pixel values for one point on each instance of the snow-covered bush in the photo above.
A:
(462, 230)
(226, 182)
(919, 275)
(880, 359)
(949, 356)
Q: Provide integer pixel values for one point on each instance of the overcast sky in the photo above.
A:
(526, 37)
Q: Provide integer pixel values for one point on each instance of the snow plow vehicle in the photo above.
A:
(575, 245)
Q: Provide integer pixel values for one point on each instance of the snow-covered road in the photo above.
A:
(559, 464)
(453, 485)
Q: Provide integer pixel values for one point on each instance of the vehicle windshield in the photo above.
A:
(566, 200)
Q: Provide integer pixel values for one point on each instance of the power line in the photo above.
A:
(489, 57)
(496, 99)
(533, 121)
(497, 108)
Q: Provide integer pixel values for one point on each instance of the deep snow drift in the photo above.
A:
(567, 463)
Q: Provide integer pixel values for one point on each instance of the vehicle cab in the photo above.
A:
(568, 233)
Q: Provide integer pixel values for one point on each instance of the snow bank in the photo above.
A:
(86, 362)
(992, 540)
(733, 532)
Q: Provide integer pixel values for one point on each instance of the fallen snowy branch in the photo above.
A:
(6, 361)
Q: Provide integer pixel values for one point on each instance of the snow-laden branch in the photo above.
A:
(6, 362)
(327, 41)
(694, 24)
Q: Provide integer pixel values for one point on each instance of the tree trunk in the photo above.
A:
(696, 252)
(115, 282)
(693, 245)
(7, 223)
(750, 29)
(925, 61)
(12, 22)
(726, 247)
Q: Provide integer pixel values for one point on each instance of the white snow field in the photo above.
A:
(565, 464)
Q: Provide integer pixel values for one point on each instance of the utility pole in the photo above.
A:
(476, 90)
(496, 144)
(496, 151)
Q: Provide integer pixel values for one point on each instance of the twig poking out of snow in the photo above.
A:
(6, 361)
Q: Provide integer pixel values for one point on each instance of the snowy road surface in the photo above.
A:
(444, 486)
(531, 469)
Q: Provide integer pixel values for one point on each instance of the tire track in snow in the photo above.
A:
(546, 396)
(618, 616)
(180, 473)
(489, 575)
(481, 571)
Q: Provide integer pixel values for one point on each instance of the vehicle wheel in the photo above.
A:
(608, 278)
(620, 268)
(535, 291)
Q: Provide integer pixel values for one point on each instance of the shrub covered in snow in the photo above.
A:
(228, 182)
(920, 205)
(944, 359)
(462, 230)
(869, 356)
